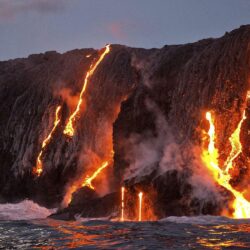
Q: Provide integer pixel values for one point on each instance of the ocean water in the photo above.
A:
(25, 226)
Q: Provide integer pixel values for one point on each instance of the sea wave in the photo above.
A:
(204, 220)
(25, 210)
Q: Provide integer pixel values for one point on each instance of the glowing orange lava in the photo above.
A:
(140, 206)
(88, 180)
(69, 129)
(210, 157)
(235, 144)
(39, 165)
(122, 205)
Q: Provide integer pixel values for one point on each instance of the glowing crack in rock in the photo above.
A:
(88, 180)
(39, 165)
(210, 157)
(69, 128)
(122, 203)
(140, 206)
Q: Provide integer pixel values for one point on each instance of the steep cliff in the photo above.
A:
(148, 106)
(31, 89)
(157, 136)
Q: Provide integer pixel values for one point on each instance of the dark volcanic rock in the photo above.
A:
(30, 90)
(86, 203)
(181, 83)
(138, 100)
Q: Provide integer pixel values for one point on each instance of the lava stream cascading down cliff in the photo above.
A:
(122, 203)
(88, 180)
(210, 157)
(69, 129)
(38, 169)
(140, 206)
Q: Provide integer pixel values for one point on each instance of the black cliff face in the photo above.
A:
(159, 94)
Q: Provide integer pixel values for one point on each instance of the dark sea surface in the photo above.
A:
(203, 232)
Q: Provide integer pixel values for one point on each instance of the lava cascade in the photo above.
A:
(122, 203)
(86, 182)
(69, 128)
(39, 165)
(235, 144)
(210, 157)
(140, 206)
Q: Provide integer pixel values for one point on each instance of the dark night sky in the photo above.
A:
(32, 26)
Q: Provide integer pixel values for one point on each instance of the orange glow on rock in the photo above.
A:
(122, 203)
(140, 206)
(210, 157)
(39, 165)
(83, 182)
(69, 129)
(88, 180)
(235, 144)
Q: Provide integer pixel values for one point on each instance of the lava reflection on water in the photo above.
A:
(214, 233)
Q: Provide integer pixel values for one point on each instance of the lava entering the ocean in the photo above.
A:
(140, 206)
(38, 169)
(69, 128)
(122, 203)
(210, 155)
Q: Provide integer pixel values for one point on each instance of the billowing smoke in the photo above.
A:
(159, 152)
(68, 97)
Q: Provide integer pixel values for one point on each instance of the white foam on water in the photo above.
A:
(25, 210)
(82, 219)
(203, 220)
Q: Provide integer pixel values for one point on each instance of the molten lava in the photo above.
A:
(69, 129)
(235, 144)
(39, 165)
(122, 205)
(140, 206)
(210, 157)
(88, 180)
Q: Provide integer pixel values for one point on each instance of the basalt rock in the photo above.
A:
(155, 98)
(31, 89)
(178, 85)
(87, 204)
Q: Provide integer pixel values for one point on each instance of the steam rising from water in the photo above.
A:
(160, 152)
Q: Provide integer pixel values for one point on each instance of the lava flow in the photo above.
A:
(140, 206)
(122, 205)
(235, 144)
(39, 165)
(88, 180)
(69, 129)
(210, 157)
